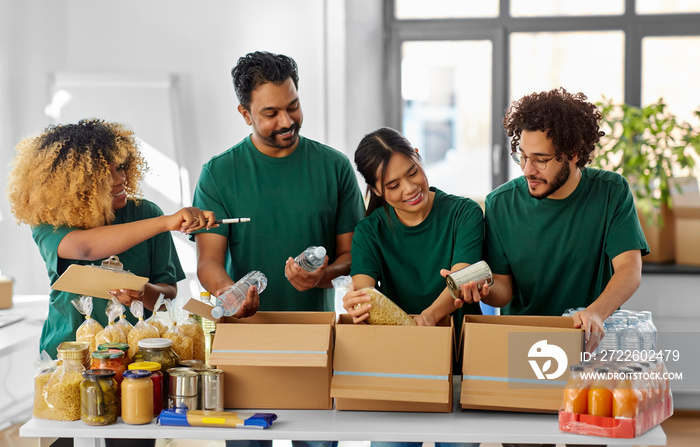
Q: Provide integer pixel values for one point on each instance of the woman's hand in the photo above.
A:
(126, 296)
(356, 303)
(190, 219)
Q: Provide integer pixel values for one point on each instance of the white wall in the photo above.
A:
(198, 42)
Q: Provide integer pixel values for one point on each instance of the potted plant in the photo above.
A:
(648, 146)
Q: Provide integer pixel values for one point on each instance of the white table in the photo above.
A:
(458, 426)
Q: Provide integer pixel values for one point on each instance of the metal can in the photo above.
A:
(191, 363)
(188, 402)
(480, 272)
(211, 389)
(183, 388)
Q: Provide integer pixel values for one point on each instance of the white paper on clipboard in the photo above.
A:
(96, 281)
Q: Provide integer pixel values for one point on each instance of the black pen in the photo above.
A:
(232, 220)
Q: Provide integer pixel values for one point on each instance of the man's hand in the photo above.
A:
(592, 324)
(470, 291)
(300, 278)
(250, 305)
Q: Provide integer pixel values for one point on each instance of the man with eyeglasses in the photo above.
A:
(562, 235)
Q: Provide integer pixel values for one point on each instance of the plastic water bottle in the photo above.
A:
(632, 337)
(611, 340)
(648, 329)
(312, 258)
(232, 299)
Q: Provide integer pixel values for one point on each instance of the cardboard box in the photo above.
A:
(5, 292)
(393, 368)
(517, 363)
(273, 360)
(660, 237)
(686, 209)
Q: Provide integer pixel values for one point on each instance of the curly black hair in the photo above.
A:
(571, 122)
(258, 68)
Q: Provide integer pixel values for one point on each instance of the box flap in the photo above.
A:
(391, 387)
(200, 308)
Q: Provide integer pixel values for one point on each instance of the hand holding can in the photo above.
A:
(479, 272)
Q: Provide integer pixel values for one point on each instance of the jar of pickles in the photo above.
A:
(98, 397)
(137, 397)
(157, 378)
(110, 359)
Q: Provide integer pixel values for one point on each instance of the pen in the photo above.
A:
(232, 220)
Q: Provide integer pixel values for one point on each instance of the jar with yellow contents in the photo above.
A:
(137, 397)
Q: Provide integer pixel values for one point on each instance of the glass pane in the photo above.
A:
(543, 61)
(670, 70)
(445, 9)
(447, 112)
(667, 6)
(535, 8)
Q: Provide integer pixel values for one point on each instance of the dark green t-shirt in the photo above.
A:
(306, 198)
(154, 258)
(560, 252)
(406, 261)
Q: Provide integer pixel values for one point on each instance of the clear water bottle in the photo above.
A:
(632, 337)
(611, 340)
(232, 299)
(648, 329)
(312, 258)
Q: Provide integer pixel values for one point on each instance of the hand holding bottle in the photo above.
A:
(308, 269)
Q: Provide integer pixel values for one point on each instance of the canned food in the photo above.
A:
(189, 402)
(183, 383)
(211, 395)
(480, 272)
(191, 363)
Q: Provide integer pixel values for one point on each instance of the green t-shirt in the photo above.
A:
(154, 258)
(406, 261)
(306, 198)
(560, 252)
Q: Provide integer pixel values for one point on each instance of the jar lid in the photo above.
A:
(155, 343)
(148, 366)
(108, 354)
(113, 345)
(98, 373)
(137, 374)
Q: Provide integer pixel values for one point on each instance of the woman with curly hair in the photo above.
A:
(78, 187)
(561, 235)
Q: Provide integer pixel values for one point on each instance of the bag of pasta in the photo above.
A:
(57, 389)
(182, 344)
(112, 333)
(122, 323)
(191, 328)
(385, 311)
(155, 320)
(141, 329)
(90, 327)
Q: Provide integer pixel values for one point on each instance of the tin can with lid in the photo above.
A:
(480, 272)
(183, 383)
(211, 394)
(75, 350)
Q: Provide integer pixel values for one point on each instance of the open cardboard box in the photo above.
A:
(517, 363)
(273, 360)
(686, 209)
(5, 292)
(393, 368)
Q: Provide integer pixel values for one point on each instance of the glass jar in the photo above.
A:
(159, 350)
(98, 397)
(137, 397)
(116, 345)
(157, 379)
(110, 359)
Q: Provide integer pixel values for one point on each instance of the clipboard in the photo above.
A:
(96, 281)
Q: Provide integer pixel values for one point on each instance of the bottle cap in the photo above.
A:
(320, 252)
(137, 374)
(217, 312)
(148, 366)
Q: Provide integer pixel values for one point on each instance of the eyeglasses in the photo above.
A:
(521, 159)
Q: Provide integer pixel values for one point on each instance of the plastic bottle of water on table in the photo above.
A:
(312, 258)
(232, 299)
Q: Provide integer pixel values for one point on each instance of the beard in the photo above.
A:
(559, 181)
(272, 141)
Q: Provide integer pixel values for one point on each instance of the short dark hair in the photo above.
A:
(258, 68)
(571, 122)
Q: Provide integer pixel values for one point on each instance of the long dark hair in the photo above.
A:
(372, 156)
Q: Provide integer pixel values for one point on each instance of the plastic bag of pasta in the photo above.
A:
(385, 311)
(182, 344)
(122, 323)
(57, 390)
(154, 320)
(141, 329)
(90, 327)
(112, 333)
(191, 328)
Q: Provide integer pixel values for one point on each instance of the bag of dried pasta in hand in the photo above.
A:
(155, 320)
(112, 333)
(182, 344)
(141, 329)
(122, 323)
(191, 328)
(385, 311)
(57, 389)
(90, 327)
